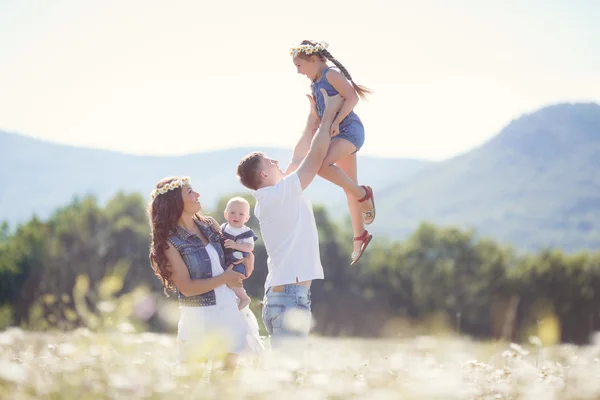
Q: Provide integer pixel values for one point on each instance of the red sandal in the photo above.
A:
(368, 216)
(365, 238)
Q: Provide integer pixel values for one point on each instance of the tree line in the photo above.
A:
(66, 271)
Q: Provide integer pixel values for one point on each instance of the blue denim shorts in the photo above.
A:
(287, 314)
(353, 131)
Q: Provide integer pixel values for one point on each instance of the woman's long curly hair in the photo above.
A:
(164, 212)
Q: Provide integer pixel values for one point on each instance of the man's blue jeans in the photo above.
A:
(286, 314)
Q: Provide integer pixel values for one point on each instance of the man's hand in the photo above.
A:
(333, 104)
(230, 244)
(313, 106)
(313, 117)
(320, 142)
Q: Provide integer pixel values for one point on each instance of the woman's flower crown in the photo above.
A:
(177, 183)
(308, 48)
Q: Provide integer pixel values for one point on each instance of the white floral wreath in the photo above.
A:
(308, 48)
(179, 182)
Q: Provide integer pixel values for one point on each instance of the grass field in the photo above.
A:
(85, 365)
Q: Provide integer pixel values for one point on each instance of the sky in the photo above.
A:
(178, 77)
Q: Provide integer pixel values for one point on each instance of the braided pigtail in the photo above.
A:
(360, 90)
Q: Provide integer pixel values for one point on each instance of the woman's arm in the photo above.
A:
(249, 263)
(194, 287)
(345, 89)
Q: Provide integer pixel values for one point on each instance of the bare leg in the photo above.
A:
(349, 166)
(344, 174)
(240, 292)
(339, 150)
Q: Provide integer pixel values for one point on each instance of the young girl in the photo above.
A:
(347, 133)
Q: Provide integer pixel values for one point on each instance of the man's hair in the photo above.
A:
(248, 170)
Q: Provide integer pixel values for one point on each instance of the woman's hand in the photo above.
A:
(232, 278)
(248, 263)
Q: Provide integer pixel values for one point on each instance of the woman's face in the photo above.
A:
(191, 200)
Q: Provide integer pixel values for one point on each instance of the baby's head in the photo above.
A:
(237, 212)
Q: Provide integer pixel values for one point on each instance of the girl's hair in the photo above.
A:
(324, 55)
(164, 212)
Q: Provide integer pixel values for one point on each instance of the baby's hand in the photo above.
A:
(230, 244)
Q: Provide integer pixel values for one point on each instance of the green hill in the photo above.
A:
(535, 184)
(38, 176)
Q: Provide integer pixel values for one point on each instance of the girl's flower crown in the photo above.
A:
(308, 48)
(177, 183)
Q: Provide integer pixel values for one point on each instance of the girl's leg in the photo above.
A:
(340, 149)
(349, 166)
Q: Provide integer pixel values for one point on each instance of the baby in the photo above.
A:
(238, 240)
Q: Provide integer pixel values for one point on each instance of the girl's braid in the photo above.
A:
(338, 64)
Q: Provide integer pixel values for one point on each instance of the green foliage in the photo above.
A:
(5, 316)
(88, 266)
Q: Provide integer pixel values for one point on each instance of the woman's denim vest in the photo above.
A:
(197, 261)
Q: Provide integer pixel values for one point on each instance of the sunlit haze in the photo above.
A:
(156, 77)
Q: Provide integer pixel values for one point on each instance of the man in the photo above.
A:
(288, 226)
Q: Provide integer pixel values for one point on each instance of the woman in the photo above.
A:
(187, 256)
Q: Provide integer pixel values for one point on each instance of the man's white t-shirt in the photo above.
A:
(289, 230)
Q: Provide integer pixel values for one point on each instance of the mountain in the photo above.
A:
(535, 184)
(38, 176)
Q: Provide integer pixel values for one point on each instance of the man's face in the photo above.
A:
(270, 170)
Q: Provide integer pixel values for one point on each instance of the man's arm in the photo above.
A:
(320, 143)
(303, 145)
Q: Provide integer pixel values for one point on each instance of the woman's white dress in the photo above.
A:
(204, 332)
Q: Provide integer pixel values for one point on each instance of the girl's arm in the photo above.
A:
(193, 287)
(345, 89)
